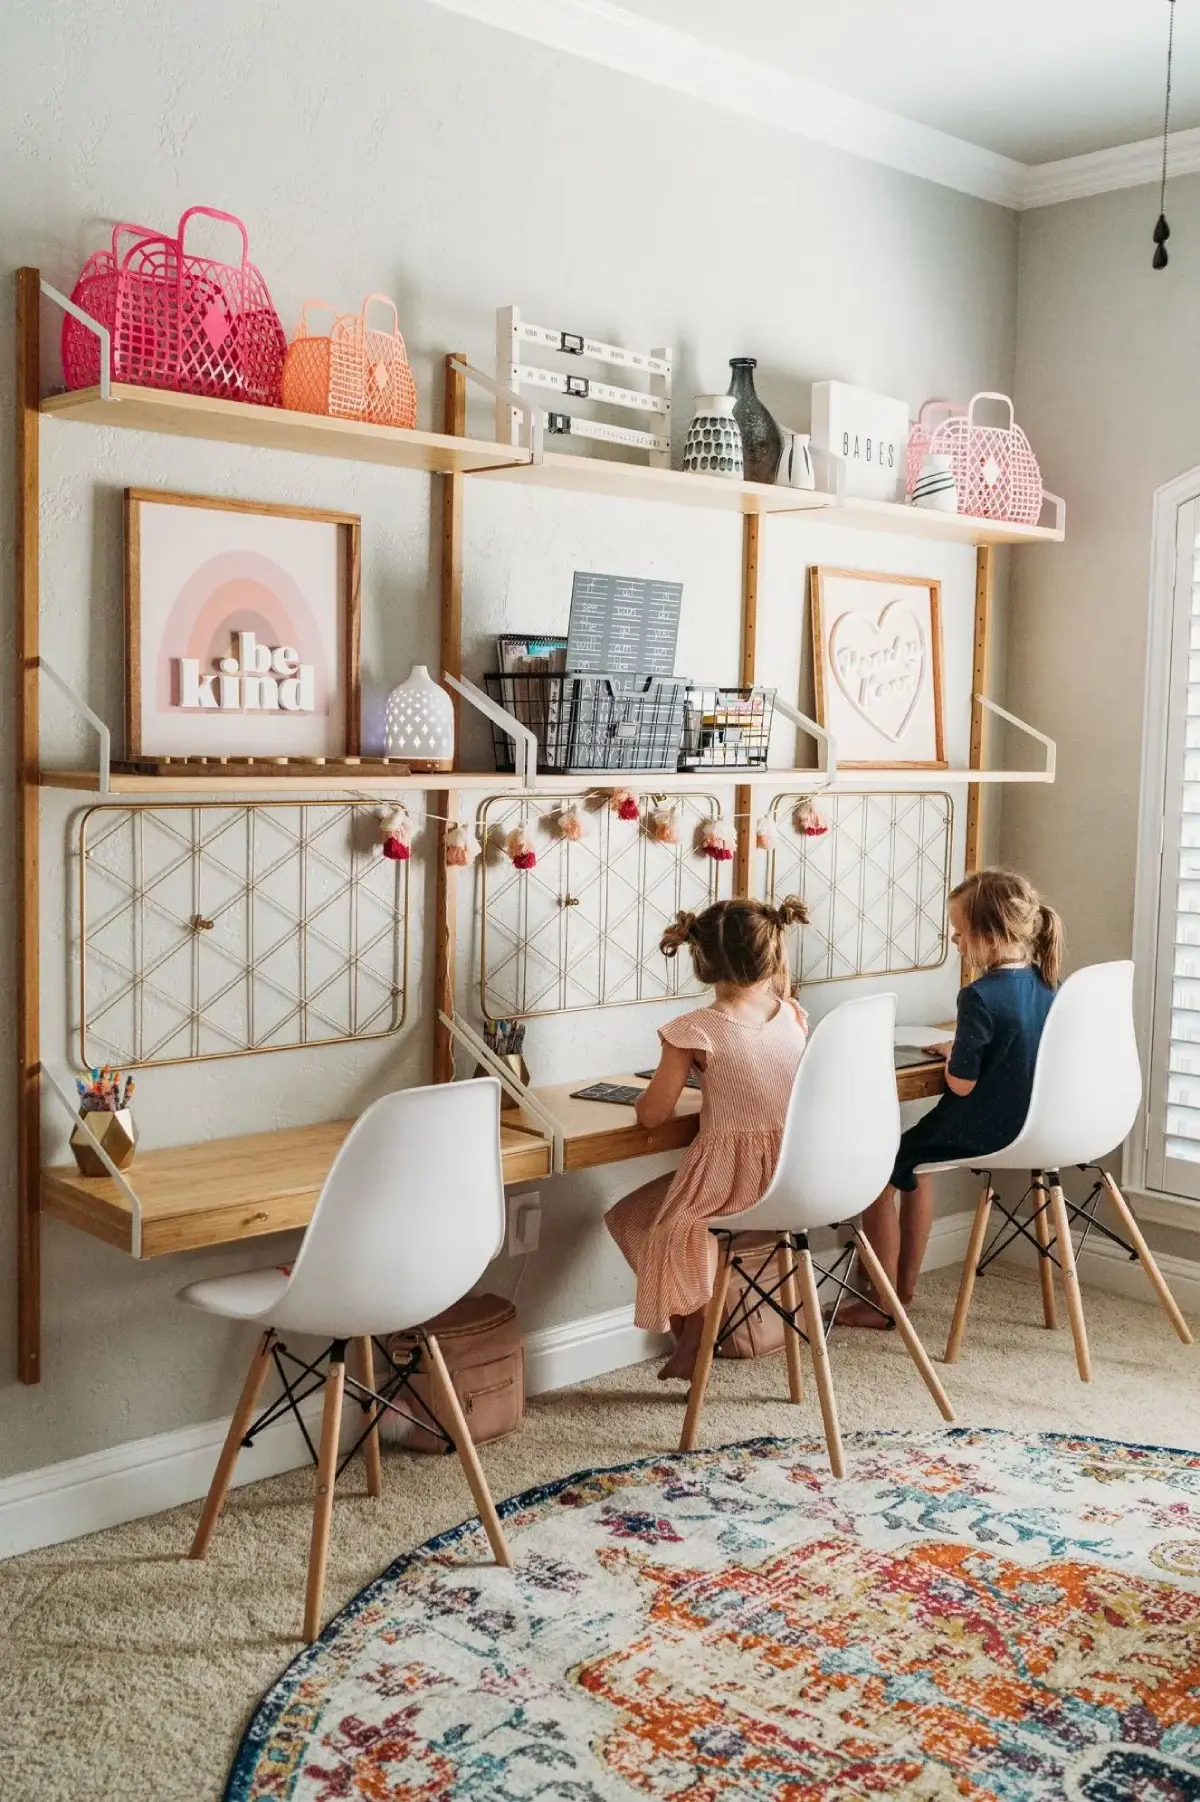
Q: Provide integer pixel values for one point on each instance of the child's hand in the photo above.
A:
(943, 1048)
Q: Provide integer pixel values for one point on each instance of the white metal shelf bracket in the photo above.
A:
(92, 325)
(79, 1119)
(85, 713)
(512, 1085)
(826, 747)
(532, 416)
(524, 742)
(1049, 747)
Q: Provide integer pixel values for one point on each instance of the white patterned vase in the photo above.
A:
(419, 722)
(714, 443)
(935, 486)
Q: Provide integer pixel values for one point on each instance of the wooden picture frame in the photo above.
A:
(203, 572)
(872, 695)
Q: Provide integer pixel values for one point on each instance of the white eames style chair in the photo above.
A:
(409, 1217)
(1087, 1087)
(839, 1143)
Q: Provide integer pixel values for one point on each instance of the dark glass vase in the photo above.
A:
(762, 441)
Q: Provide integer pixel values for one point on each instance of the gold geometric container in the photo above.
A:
(520, 1069)
(115, 1131)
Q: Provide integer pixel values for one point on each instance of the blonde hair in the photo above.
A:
(739, 941)
(999, 907)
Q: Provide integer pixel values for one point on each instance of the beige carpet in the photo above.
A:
(127, 1672)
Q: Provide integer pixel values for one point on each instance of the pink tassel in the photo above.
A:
(396, 834)
(807, 821)
(662, 825)
(462, 847)
(570, 822)
(765, 836)
(713, 842)
(624, 804)
(519, 847)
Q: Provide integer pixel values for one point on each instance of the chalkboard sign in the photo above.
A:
(623, 625)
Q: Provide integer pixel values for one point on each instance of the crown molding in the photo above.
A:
(1103, 171)
(610, 35)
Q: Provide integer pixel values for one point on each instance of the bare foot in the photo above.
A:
(857, 1313)
(679, 1366)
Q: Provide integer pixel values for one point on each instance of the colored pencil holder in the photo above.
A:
(115, 1131)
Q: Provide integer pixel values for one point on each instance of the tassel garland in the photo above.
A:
(713, 842)
(807, 821)
(462, 847)
(395, 834)
(624, 804)
(765, 836)
(662, 825)
(570, 823)
(519, 847)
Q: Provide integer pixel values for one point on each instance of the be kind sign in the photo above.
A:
(877, 660)
(242, 629)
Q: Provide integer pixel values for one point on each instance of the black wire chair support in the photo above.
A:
(755, 1297)
(1016, 1225)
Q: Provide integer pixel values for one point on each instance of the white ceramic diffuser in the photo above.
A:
(419, 723)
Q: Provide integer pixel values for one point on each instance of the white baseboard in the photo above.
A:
(1105, 1266)
(561, 1355)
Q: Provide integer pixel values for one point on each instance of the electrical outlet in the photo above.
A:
(524, 1223)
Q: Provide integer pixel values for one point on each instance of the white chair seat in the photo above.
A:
(250, 1295)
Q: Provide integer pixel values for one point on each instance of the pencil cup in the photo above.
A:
(520, 1070)
(115, 1131)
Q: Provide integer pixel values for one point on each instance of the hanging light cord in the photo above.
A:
(1162, 230)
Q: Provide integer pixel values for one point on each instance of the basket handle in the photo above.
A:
(989, 394)
(949, 407)
(212, 212)
(302, 330)
(139, 231)
(386, 301)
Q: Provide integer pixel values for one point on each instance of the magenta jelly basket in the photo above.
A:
(177, 320)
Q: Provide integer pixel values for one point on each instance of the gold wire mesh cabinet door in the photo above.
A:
(581, 928)
(217, 931)
(877, 883)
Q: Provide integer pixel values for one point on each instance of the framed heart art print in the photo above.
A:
(877, 667)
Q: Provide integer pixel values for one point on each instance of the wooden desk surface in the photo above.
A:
(226, 1190)
(229, 1189)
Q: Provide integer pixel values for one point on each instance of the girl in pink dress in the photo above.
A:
(746, 1047)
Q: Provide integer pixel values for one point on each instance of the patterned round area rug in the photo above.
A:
(968, 1614)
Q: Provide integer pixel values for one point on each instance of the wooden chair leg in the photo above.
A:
(1041, 1230)
(815, 1331)
(786, 1257)
(1070, 1279)
(370, 1447)
(966, 1282)
(704, 1357)
(243, 1414)
(447, 1404)
(891, 1302)
(1146, 1256)
(318, 1548)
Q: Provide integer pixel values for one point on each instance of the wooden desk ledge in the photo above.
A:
(227, 1190)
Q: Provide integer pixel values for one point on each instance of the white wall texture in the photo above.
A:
(405, 149)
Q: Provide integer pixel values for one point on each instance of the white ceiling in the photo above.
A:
(1031, 79)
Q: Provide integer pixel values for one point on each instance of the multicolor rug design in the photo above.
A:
(968, 1614)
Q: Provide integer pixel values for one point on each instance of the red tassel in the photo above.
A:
(397, 849)
(520, 849)
(624, 804)
(714, 844)
(394, 831)
(808, 821)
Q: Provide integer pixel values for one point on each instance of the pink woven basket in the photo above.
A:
(177, 321)
(355, 372)
(920, 436)
(995, 468)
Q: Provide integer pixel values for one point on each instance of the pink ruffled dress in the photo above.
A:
(662, 1227)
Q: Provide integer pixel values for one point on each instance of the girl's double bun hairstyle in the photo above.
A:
(737, 941)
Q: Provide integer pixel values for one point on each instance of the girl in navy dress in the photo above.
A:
(1006, 933)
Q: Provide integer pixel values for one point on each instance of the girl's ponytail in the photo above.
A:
(680, 932)
(1047, 948)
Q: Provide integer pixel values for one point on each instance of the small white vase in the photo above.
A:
(935, 486)
(419, 722)
(714, 443)
(796, 464)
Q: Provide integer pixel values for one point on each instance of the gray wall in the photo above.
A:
(404, 149)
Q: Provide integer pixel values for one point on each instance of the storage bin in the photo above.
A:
(593, 722)
(726, 728)
(485, 1356)
(177, 320)
(355, 371)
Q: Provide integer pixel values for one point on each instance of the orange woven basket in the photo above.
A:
(356, 371)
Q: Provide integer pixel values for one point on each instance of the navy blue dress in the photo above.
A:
(1000, 1021)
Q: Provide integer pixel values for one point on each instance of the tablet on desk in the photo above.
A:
(909, 1056)
(620, 1094)
(692, 1081)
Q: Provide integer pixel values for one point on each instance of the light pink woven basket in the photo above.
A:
(920, 436)
(177, 320)
(355, 372)
(995, 468)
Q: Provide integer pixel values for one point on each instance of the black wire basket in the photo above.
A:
(726, 728)
(593, 722)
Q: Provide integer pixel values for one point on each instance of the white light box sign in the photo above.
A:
(868, 431)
